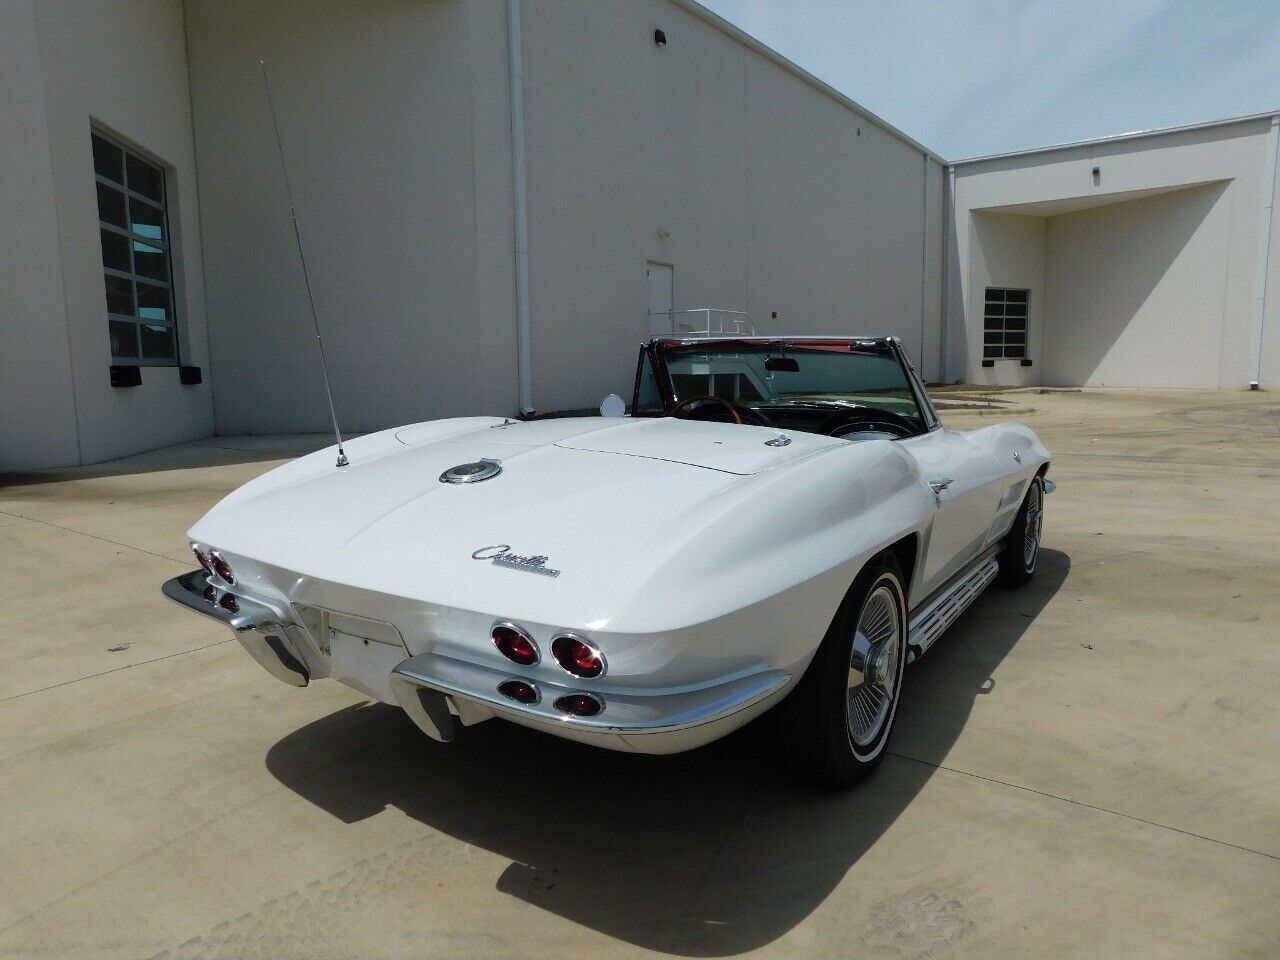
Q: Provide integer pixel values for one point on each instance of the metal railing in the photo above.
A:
(709, 322)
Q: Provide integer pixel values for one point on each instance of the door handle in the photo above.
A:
(940, 484)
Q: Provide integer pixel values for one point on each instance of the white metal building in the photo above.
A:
(501, 198)
(470, 253)
(1142, 260)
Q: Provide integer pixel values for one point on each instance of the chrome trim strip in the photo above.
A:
(623, 714)
(927, 410)
(944, 606)
(983, 554)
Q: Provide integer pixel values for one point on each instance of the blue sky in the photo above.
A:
(972, 78)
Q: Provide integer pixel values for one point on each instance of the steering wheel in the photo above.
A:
(741, 415)
(880, 420)
(703, 398)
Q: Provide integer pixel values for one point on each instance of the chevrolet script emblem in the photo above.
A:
(500, 555)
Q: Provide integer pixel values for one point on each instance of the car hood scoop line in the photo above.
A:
(726, 447)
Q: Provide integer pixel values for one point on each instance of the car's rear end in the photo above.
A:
(586, 588)
(449, 667)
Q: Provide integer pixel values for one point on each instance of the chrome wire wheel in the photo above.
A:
(874, 665)
(1035, 523)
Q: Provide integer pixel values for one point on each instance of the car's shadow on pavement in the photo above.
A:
(708, 853)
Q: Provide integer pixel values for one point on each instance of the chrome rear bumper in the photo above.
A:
(428, 684)
(441, 693)
(260, 630)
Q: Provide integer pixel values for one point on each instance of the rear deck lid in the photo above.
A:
(726, 447)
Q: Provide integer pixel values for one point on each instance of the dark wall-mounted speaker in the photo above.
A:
(126, 376)
(190, 375)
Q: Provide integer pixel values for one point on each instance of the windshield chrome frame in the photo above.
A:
(923, 400)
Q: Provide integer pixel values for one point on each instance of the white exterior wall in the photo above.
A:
(775, 196)
(37, 415)
(1147, 279)
(764, 191)
(396, 128)
(1150, 277)
(65, 64)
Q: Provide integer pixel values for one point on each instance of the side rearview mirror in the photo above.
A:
(613, 406)
(782, 365)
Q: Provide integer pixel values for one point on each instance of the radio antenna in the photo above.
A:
(306, 276)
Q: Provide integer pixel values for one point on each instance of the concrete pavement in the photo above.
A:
(1089, 767)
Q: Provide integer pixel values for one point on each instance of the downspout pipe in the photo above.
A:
(1264, 251)
(924, 256)
(948, 231)
(515, 51)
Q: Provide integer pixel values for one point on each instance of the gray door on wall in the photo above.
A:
(661, 298)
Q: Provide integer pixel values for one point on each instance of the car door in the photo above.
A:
(967, 482)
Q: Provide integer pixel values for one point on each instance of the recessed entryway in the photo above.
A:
(1125, 293)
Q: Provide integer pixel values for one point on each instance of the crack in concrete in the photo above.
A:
(1085, 804)
(94, 536)
(127, 666)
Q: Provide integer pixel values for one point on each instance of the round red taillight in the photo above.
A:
(579, 657)
(221, 567)
(515, 644)
(202, 558)
(579, 705)
(229, 603)
(519, 691)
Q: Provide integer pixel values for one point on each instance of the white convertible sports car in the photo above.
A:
(780, 523)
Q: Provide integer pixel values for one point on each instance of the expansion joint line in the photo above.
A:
(1086, 805)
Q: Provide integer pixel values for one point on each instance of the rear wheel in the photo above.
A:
(1022, 546)
(836, 723)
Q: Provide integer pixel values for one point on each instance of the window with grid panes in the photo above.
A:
(133, 224)
(1004, 324)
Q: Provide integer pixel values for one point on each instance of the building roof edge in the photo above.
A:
(724, 26)
(1120, 137)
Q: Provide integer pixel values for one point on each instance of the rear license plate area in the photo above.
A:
(362, 652)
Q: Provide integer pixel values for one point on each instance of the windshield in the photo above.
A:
(777, 378)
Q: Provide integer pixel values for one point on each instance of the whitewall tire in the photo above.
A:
(835, 725)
